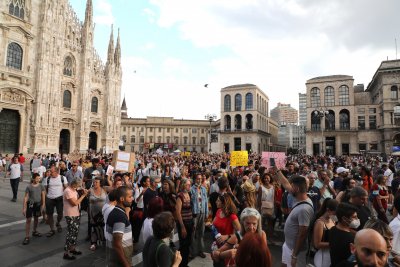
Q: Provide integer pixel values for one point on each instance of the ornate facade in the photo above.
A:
(56, 95)
(343, 118)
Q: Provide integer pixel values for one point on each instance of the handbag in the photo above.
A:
(267, 208)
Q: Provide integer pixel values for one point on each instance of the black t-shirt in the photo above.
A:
(364, 214)
(157, 253)
(395, 186)
(346, 264)
(339, 245)
(147, 196)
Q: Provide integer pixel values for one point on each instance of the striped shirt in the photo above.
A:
(186, 211)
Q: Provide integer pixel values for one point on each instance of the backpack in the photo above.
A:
(47, 182)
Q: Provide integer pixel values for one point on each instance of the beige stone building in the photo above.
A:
(343, 118)
(245, 124)
(284, 114)
(152, 133)
(56, 95)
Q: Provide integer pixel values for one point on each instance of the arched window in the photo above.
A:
(168, 139)
(238, 122)
(329, 95)
(159, 139)
(142, 139)
(202, 141)
(249, 122)
(193, 140)
(315, 97)
(330, 120)
(95, 104)
(16, 8)
(185, 140)
(133, 139)
(344, 95)
(124, 138)
(249, 101)
(69, 66)
(227, 122)
(227, 103)
(14, 56)
(238, 102)
(344, 119)
(393, 92)
(67, 99)
(315, 121)
(176, 140)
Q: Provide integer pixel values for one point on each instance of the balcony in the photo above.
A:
(244, 131)
(318, 129)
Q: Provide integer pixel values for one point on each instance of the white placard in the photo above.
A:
(122, 166)
(124, 156)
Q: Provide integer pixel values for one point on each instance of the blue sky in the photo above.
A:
(177, 46)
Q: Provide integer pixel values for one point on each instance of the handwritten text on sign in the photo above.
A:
(239, 158)
(279, 157)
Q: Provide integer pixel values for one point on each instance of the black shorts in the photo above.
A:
(57, 203)
(32, 210)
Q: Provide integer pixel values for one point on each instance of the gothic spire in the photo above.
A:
(117, 54)
(110, 56)
(124, 109)
(89, 12)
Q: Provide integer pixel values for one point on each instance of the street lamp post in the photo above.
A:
(321, 113)
(210, 118)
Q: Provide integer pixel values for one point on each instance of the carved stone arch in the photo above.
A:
(28, 35)
(95, 126)
(68, 123)
(96, 92)
(69, 65)
(16, 96)
(71, 86)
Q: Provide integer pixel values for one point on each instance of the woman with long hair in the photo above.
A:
(97, 199)
(324, 221)
(367, 180)
(184, 217)
(380, 195)
(266, 201)
(250, 199)
(168, 195)
(253, 251)
(156, 206)
(344, 194)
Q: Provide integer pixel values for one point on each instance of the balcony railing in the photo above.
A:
(318, 129)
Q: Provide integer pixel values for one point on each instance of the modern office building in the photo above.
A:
(284, 114)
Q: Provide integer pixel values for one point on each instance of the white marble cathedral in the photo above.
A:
(56, 95)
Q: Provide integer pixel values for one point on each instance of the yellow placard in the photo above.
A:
(239, 158)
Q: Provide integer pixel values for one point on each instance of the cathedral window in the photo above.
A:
(95, 104)
(17, 8)
(14, 56)
(67, 99)
(69, 69)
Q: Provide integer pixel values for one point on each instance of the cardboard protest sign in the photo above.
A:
(239, 158)
(269, 158)
(123, 161)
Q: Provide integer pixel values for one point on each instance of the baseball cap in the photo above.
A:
(341, 169)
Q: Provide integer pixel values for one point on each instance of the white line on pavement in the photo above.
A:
(12, 223)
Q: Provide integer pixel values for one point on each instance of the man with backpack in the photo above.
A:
(55, 185)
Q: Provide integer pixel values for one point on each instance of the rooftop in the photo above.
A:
(330, 78)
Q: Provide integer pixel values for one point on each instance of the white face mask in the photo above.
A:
(355, 224)
(334, 218)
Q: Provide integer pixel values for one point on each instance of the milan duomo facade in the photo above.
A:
(56, 95)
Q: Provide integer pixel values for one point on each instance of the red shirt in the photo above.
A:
(224, 225)
(382, 191)
(21, 159)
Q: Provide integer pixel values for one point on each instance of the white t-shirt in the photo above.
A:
(395, 227)
(147, 229)
(389, 174)
(55, 188)
(40, 170)
(140, 204)
(15, 170)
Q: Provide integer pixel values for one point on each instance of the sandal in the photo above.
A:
(68, 257)
(59, 229)
(36, 233)
(51, 233)
(26, 241)
(75, 252)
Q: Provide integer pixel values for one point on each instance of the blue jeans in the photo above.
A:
(14, 187)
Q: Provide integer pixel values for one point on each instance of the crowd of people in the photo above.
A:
(341, 211)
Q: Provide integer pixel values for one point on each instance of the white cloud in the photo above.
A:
(151, 16)
(148, 46)
(103, 13)
(171, 64)
(279, 44)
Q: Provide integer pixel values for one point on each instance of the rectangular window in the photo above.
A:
(360, 110)
(194, 130)
(159, 129)
(202, 131)
(124, 129)
(373, 147)
(151, 130)
(362, 147)
(185, 130)
(168, 129)
(142, 129)
(372, 110)
(133, 129)
(391, 118)
(176, 130)
(372, 122)
(361, 122)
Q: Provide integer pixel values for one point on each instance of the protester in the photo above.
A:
(156, 206)
(119, 232)
(97, 199)
(71, 203)
(380, 196)
(324, 221)
(359, 198)
(253, 251)
(184, 216)
(33, 203)
(266, 201)
(15, 171)
(156, 251)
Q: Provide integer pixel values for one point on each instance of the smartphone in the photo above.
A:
(272, 162)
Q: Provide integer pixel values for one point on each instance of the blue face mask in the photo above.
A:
(158, 185)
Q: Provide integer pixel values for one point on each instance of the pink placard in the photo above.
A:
(279, 157)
